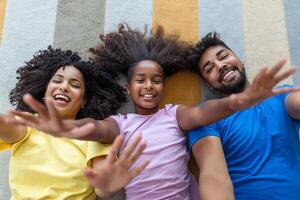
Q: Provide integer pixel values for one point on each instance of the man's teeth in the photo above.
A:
(228, 74)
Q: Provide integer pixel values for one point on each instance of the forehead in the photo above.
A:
(69, 72)
(148, 67)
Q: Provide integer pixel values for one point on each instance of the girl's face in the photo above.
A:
(66, 90)
(146, 87)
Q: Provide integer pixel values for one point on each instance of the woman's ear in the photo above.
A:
(83, 103)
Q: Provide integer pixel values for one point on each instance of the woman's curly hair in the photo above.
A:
(103, 94)
(120, 51)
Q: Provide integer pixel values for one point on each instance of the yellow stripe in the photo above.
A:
(2, 16)
(180, 17)
(265, 34)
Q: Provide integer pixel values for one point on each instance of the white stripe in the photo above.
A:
(29, 26)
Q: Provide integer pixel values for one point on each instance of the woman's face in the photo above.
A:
(66, 90)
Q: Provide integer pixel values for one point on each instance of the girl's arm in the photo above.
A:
(49, 121)
(110, 174)
(214, 110)
(9, 133)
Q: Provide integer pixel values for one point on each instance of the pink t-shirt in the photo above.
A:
(166, 176)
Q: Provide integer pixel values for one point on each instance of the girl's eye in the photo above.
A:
(139, 80)
(157, 81)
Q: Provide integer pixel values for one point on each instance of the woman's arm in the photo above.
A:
(9, 133)
(49, 121)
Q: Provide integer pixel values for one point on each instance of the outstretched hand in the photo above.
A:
(115, 173)
(49, 121)
(263, 86)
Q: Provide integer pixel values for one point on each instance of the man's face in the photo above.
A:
(222, 70)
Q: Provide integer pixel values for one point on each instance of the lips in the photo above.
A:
(227, 73)
(148, 96)
(62, 98)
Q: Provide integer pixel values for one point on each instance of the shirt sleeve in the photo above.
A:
(95, 149)
(4, 146)
(204, 131)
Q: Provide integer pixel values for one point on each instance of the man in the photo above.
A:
(261, 144)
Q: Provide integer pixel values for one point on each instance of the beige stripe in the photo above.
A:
(180, 17)
(2, 16)
(265, 34)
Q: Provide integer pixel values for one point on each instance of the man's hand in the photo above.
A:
(262, 87)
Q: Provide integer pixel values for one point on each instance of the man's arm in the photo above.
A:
(214, 180)
(9, 133)
(213, 110)
(292, 104)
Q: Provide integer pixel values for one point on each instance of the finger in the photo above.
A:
(130, 148)
(259, 77)
(285, 90)
(138, 152)
(115, 149)
(25, 117)
(91, 175)
(285, 75)
(53, 113)
(35, 105)
(81, 132)
(274, 70)
(135, 171)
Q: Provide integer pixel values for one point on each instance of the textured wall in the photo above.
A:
(259, 31)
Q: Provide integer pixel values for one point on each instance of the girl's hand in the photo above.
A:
(114, 173)
(262, 87)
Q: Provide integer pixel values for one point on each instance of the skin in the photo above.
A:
(146, 87)
(213, 168)
(108, 174)
(143, 82)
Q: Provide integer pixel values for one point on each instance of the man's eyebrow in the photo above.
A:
(219, 52)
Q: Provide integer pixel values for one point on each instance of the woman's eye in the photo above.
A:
(75, 86)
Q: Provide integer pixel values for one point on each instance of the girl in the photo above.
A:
(46, 167)
(146, 62)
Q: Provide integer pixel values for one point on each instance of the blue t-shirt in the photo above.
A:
(262, 149)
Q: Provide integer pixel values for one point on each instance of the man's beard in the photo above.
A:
(236, 86)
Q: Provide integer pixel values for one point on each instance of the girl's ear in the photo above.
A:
(127, 89)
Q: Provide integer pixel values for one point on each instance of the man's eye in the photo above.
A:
(224, 56)
(55, 81)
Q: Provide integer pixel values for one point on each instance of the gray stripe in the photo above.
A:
(224, 17)
(78, 24)
(292, 15)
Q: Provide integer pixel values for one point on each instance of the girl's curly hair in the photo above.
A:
(120, 51)
(103, 94)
